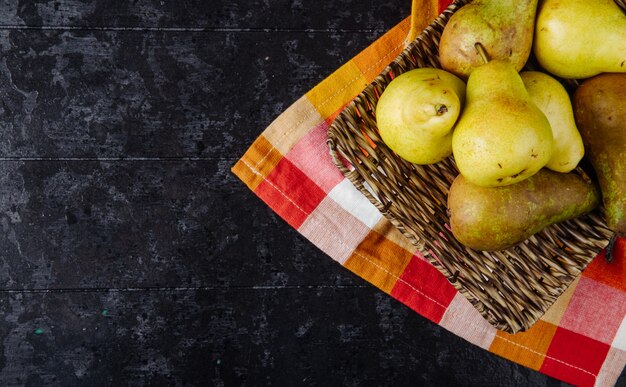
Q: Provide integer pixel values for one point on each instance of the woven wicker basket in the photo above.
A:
(512, 288)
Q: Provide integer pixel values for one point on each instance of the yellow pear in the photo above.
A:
(416, 114)
(502, 137)
(552, 99)
(577, 39)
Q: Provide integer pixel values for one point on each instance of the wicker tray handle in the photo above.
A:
(423, 12)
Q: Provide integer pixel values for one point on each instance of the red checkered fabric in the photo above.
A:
(582, 337)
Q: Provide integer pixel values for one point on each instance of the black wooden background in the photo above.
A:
(129, 252)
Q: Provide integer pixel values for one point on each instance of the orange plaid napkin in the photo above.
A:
(580, 340)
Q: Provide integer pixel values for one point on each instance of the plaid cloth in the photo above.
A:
(580, 340)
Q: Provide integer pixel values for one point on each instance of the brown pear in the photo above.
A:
(504, 28)
(600, 113)
(496, 218)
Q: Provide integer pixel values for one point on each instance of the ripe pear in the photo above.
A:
(578, 39)
(504, 28)
(553, 100)
(496, 218)
(600, 111)
(417, 111)
(502, 137)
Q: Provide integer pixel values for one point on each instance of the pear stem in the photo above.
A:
(481, 51)
(609, 248)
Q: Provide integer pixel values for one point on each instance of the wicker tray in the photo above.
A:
(512, 288)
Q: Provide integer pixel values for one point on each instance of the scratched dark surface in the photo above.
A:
(129, 254)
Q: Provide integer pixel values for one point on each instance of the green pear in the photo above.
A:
(496, 218)
(416, 114)
(600, 111)
(577, 39)
(553, 100)
(501, 137)
(504, 28)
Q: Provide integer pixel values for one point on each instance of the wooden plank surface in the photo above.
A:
(129, 252)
